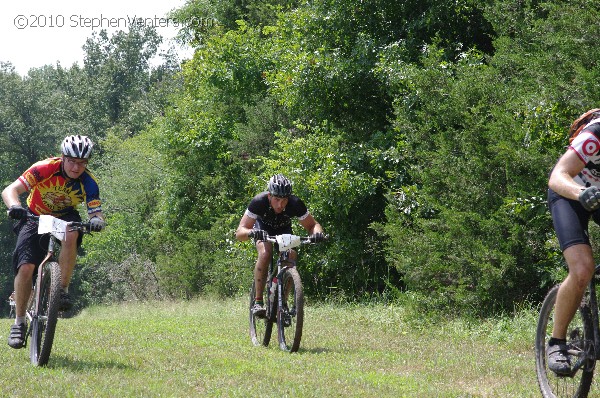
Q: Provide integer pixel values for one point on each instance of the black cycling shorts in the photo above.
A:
(570, 220)
(32, 247)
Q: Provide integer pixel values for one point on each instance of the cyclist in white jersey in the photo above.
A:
(573, 198)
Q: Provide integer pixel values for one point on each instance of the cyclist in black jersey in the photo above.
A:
(574, 198)
(271, 213)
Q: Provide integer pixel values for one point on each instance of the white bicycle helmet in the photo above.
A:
(77, 146)
(280, 186)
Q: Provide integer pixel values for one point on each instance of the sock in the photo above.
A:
(259, 301)
(66, 289)
(20, 319)
(554, 341)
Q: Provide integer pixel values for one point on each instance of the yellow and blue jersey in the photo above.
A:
(51, 192)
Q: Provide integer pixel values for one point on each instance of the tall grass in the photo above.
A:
(202, 348)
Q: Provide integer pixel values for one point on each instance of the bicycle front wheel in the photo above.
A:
(260, 328)
(290, 316)
(44, 321)
(579, 337)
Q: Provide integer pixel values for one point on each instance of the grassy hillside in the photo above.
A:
(202, 348)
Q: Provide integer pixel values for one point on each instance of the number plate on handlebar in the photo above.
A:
(288, 241)
(52, 225)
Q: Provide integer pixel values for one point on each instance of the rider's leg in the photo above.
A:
(292, 257)
(581, 269)
(67, 258)
(23, 283)
(265, 250)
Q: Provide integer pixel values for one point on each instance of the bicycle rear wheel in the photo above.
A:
(260, 328)
(290, 316)
(44, 321)
(579, 336)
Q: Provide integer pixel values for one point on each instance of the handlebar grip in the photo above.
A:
(80, 226)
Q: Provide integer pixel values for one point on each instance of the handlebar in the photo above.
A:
(84, 227)
(71, 225)
(289, 241)
(303, 239)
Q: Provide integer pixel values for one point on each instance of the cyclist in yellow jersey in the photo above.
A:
(55, 186)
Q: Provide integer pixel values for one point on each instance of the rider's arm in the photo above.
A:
(10, 194)
(246, 224)
(311, 225)
(561, 180)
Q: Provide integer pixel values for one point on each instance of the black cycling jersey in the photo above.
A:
(260, 210)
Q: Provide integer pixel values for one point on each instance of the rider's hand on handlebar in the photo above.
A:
(590, 198)
(97, 224)
(258, 234)
(17, 212)
(317, 237)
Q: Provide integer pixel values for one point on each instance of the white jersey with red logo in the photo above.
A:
(587, 146)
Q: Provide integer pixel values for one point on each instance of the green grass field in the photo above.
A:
(202, 348)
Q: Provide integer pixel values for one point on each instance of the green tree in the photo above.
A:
(118, 75)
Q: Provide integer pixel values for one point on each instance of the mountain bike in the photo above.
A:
(42, 308)
(583, 339)
(285, 299)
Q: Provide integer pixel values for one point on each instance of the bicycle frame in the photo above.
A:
(583, 342)
(282, 244)
(282, 258)
(40, 275)
(42, 307)
(287, 308)
(57, 230)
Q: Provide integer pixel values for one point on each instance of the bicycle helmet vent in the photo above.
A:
(77, 146)
(279, 185)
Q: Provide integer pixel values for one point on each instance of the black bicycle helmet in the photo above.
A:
(77, 146)
(280, 186)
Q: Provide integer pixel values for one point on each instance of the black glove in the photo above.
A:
(590, 198)
(258, 234)
(17, 212)
(317, 237)
(97, 224)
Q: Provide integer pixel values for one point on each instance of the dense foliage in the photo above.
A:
(419, 133)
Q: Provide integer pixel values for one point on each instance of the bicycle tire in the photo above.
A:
(580, 335)
(290, 316)
(260, 328)
(43, 324)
